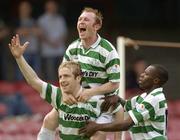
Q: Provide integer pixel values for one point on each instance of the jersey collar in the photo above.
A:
(160, 89)
(95, 44)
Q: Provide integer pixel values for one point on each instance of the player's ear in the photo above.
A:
(156, 80)
(79, 78)
(97, 27)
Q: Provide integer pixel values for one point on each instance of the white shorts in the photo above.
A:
(105, 118)
(108, 117)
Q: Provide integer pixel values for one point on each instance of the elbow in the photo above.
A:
(126, 128)
(29, 81)
(127, 124)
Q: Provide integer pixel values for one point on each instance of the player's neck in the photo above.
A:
(88, 42)
(77, 90)
(151, 89)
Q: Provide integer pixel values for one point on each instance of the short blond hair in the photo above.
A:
(73, 66)
(99, 17)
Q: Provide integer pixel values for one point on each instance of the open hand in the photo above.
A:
(17, 50)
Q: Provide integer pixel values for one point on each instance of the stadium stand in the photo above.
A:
(24, 126)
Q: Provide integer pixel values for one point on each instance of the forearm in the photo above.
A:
(119, 116)
(28, 73)
(116, 126)
(105, 88)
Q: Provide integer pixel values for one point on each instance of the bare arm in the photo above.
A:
(29, 74)
(105, 88)
(92, 127)
(99, 90)
(117, 126)
(119, 116)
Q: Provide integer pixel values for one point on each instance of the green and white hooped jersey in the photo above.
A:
(149, 113)
(100, 63)
(71, 117)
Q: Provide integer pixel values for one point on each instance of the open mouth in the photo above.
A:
(82, 30)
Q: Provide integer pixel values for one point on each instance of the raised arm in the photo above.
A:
(29, 74)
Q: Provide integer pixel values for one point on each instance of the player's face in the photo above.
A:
(86, 25)
(67, 81)
(146, 79)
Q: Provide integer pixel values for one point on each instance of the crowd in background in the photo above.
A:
(46, 35)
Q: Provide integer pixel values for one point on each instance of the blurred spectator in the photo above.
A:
(54, 35)
(3, 110)
(15, 105)
(27, 28)
(4, 33)
(132, 74)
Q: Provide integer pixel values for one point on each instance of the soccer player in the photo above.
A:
(147, 113)
(100, 67)
(71, 117)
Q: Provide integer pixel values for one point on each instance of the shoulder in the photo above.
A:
(104, 43)
(157, 94)
(74, 44)
(155, 99)
(49, 85)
